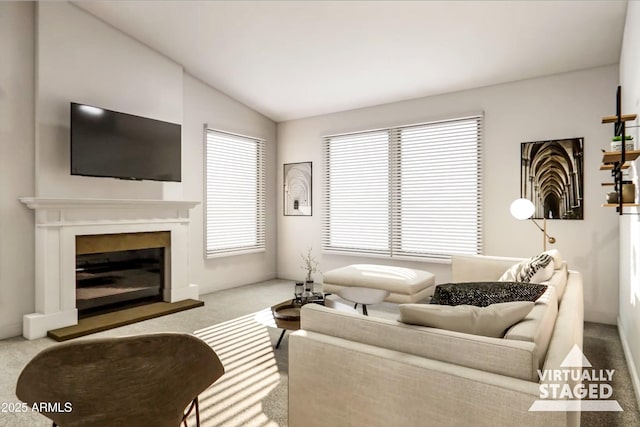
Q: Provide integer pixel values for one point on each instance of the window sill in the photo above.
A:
(233, 253)
(425, 259)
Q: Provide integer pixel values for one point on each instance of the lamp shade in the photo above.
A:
(522, 208)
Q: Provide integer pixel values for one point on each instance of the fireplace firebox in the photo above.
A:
(116, 271)
(114, 279)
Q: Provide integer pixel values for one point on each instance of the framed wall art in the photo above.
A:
(297, 189)
(552, 177)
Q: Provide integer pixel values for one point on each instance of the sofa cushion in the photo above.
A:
(490, 321)
(482, 294)
(533, 270)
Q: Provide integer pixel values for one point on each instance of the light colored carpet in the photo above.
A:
(237, 323)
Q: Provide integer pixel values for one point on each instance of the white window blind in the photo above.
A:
(411, 191)
(358, 192)
(235, 194)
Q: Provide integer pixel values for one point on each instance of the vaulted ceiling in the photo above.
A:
(294, 59)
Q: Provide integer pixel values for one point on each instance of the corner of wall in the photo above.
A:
(633, 372)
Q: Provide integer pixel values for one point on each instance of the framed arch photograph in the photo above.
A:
(552, 177)
(297, 193)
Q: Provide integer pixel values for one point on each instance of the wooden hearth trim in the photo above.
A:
(98, 243)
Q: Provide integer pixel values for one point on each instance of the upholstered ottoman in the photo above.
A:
(405, 285)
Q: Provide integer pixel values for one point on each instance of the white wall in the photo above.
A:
(205, 105)
(81, 59)
(54, 53)
(629, 320)
(17, 44)
(84, 60)
(560, 106)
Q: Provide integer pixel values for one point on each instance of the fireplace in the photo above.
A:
(115, 271)
(68, 229)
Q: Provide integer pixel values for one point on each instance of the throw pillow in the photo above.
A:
(482, 294)
(533, 270)
(491, 321)
(557, 258)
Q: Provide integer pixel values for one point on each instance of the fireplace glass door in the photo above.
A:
(113, 280)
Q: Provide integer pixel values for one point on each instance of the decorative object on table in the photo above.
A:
(298, 291)
(552, 177)
(297, 194)
(524, 209)
(310, 265)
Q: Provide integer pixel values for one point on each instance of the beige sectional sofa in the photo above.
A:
(346, 369)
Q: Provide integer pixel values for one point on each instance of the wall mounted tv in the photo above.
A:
(107, 143)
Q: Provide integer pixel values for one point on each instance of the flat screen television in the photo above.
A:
(107, 143)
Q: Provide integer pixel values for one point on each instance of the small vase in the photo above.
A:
(308, 291)
(298, 291)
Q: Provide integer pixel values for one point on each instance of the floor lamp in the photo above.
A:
(524, 209)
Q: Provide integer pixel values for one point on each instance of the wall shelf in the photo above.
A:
(623, 118)
(617, 161)
(616, 156)
(609, 167)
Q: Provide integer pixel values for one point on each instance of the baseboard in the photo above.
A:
(635, 380)
(207, 289)
(600, 317)
(11, 330)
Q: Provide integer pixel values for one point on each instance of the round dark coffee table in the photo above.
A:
(287, 317)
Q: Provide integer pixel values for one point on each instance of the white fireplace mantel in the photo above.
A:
(58, 203)
(57, 223)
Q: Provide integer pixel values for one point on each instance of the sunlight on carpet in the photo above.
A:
(245, 349)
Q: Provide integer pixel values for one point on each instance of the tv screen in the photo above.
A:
(106, 143)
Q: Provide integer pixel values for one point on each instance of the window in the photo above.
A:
(234, 194)
(411, 191)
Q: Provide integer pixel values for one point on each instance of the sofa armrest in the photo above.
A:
(479, 268)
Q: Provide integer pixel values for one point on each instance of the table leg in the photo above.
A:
(280, 339)
(364, 310)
